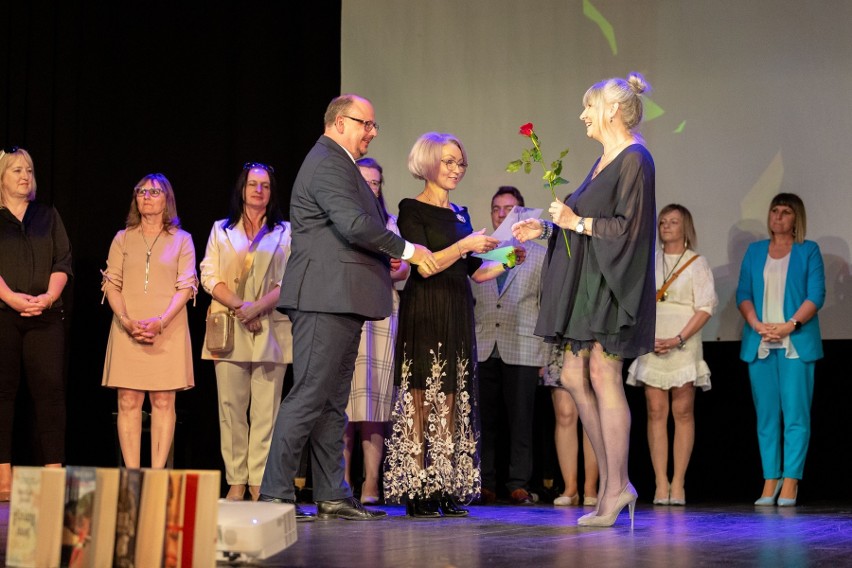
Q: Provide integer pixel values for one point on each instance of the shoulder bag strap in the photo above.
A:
(674, 276)
(241, 287)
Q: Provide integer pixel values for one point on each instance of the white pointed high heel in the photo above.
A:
(627, 497)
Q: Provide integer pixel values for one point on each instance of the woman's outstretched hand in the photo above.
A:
(527, 230)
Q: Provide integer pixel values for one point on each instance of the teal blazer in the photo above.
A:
(805, 281)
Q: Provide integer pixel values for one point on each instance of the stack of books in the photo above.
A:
(91, 517)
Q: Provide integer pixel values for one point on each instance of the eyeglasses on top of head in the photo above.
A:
(369, 125)
(153, 192)
(261, 165)
(11, 150)
(452, 164)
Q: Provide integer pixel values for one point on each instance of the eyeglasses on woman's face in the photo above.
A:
(144, 191)
(453, 164)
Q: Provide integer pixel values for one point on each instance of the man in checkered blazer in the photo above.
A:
(510, 358)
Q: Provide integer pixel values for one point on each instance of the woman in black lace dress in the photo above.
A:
(599, 303)
(432, 458)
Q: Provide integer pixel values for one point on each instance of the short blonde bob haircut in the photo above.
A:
(6, 161)
(795, 203)
(170, 217)
(424, 161)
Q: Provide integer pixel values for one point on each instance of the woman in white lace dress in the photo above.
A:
(686, 299)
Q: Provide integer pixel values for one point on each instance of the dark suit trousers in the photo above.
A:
(324, 350)
(510, 387)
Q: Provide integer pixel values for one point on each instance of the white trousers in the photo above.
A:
(249, 398)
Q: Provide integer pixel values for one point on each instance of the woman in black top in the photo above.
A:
(432, 459)
(598, 304)
(35, 263)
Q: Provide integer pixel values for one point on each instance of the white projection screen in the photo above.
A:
(750, 98)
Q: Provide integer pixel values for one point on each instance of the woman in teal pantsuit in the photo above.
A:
(781, 288)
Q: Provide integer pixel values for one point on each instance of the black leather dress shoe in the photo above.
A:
(302, 516)
(349, 508)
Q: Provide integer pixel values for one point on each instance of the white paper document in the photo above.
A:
(503, 233)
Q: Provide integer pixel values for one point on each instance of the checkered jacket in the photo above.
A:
(508, 318)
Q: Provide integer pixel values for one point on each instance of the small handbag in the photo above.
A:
(220, 325)
(220, 332)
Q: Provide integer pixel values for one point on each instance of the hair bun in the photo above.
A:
(638, 83)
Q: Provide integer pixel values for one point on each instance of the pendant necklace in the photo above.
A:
(666, 277)
(459, 216)
(148, 256)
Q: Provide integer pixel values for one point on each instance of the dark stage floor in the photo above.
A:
(542, 535)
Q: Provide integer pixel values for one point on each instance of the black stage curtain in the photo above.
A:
(101, 96)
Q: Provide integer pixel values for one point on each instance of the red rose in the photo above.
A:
(526, 129)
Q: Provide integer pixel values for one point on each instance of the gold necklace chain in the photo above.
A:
(148, 256)
(666, 278)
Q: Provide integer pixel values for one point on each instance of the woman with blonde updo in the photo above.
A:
(598, 303)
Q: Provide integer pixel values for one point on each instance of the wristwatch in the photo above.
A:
(797, 325)
(581, 226)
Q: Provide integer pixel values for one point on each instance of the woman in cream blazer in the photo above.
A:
(251, 375)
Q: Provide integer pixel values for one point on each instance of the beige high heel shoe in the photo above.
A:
(627, 497)
(667, 500)
(254, 491)
(567, 501)
(236, 493)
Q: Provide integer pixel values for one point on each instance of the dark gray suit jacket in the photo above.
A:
(340, 250)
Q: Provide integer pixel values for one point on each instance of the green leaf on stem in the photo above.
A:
(535, 154)
(527, 167)
(513, 167)
(560, 181)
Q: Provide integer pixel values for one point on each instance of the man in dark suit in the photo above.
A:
(338, 276)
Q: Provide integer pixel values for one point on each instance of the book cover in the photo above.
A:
(104, 515)
(151, 527)
(34, 536)
(200, 516)
(127, 515)
(77, 520)
(174, 521)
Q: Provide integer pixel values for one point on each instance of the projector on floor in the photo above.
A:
(254, 530)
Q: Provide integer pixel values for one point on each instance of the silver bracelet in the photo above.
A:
(546, 229)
